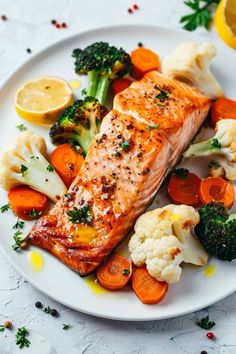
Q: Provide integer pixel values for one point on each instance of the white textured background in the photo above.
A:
(29, 27)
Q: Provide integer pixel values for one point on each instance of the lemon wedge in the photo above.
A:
(41, 100)
(225, 22)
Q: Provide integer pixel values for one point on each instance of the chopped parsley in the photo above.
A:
(215, 144)
(66, 327)
(213, 164)
(21, 339)
(152, 127)
(50, 168)
(5, 208)
(19, 224)
(205, 323)
(2, 328)
(126, 272)
(21, 127)
(163, 95)
(68, 196)
(181, 172)
(80, 215)
(34, 214)
(52, 312)
(125, 145)
(18, 240)
(23, 170)
(84, 92)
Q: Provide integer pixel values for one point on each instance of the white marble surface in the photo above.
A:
(29, 27)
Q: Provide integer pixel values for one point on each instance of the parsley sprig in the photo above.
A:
(21, 127)
(66, 326)
(21, 339)
(5, 208)
(50, 168)
(201, 15)
(215, 144)
(18, 240)
(2, 328)
(19, 224)
(80, 215)
(205, 323)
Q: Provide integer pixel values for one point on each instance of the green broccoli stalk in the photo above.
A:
(79, 122)
(217, 231)
(102, 63)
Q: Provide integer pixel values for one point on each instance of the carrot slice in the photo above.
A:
(23, 200)
(120, 85)
(185, 189)
(144, 60)
(222, 109)
(67, 162)
(216, 189)
(114, 273)
(148, 289)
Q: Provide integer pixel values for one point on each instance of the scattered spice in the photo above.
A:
(130, 11)
(5, 208)
(210, 335)
(19, 224)
(203, 352)
(63, 25)
(21, 127)
(57, 25)
(21, 339)
(140, 44)
(50, 168)
(126, 272)
(8, 324)
(205, 323)
(66, 327)
(4, 18)
(80, 215)
(53, 22)
(39, 305)
(135, 7)
(52, 312)
(28, 50)
(163, 95)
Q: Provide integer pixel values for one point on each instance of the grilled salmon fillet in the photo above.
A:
(151, 124)
(124, 167)
(175, 107)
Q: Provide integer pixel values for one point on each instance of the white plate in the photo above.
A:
(194, 291)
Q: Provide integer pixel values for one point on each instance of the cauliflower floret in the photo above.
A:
(163, 240)
(190, 63)
(222, 146)
(25, 162)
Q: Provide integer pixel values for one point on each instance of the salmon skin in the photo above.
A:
(125, 166)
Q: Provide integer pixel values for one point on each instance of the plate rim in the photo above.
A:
(33, 283)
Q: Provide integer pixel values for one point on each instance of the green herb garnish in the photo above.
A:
(2, 328)
(205, 323)
(215, 144)
(19, 224)
(50, 168)
(80, 215)
(5, 208)
(126, 272)
(163, 95)
(152, 127)
(66, 327)
(84, 92)
(18, 240)
(125, 145)
(21, 127)
(181, 172)
(68, 196)
(213, 164)
(34, 214)
(23, 170)
(201, 15)
(21, 339)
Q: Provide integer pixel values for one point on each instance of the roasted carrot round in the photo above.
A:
(184, 190)
(23, 200)
(222, 109)
(115, 272)
(216, 189)
(66, 162)
(144, 60)
(148, 289)
(120, 84)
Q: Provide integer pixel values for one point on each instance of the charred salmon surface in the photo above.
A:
(152, 123)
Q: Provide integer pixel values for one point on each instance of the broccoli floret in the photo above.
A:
(79, 122)
(222, 146)
(217, 231)
(102, 63)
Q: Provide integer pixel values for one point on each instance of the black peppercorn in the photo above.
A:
(54, 313)
(39, 305)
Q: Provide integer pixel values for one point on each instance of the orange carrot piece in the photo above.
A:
(66, 162)
(23, 200)
(184, 190)
(216, 189)
(148, 289)
(144, 60)
(222, 109)
(114, 273)
(120, 84)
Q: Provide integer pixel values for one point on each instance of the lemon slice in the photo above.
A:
(225, 22)
(41, 101)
